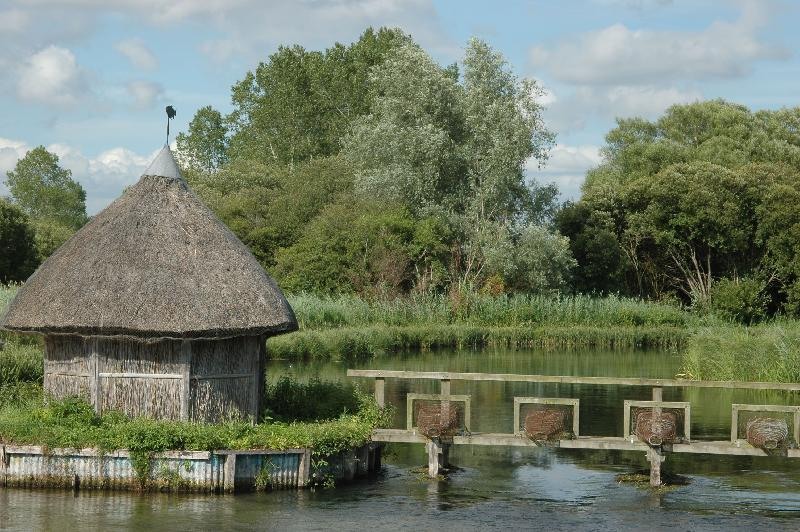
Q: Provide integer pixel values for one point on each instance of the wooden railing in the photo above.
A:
(655, 454)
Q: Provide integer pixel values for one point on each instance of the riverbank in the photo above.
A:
(349, 328)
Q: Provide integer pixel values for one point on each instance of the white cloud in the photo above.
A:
(14, 21)
(618, 55)
(144, 93)
(10, 152)
(566, 168)
(137, 53)
(572, 111)
(104, 176)
(52, 77)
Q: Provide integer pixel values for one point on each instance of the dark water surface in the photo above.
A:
(496, 488)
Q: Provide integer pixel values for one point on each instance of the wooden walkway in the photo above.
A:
(438, 451)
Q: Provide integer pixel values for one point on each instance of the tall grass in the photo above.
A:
(761, 353)
(360, 343)
(20, 363)
(319, 312)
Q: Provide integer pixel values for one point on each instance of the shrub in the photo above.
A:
(740, 300)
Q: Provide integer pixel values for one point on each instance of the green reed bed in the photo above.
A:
(359, 343)
(322, 312)
(769, 352)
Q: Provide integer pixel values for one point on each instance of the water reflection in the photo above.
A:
(495, 488)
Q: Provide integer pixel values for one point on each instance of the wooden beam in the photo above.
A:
(229, 474)
(380, 392)
(108, 375)
(561, 379)
(582, 442)
(186, 378)
(94, 376)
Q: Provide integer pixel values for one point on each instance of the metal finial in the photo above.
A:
(170, 115)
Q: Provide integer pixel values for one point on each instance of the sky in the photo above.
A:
(89, 79)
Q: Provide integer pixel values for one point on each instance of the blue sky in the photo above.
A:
(89, 79)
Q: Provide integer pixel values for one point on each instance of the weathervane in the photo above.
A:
(170, 115)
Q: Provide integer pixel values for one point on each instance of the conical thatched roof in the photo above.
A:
(155, 263)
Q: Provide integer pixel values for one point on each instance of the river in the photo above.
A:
(494, 488)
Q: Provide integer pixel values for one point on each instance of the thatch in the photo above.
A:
(156, 263)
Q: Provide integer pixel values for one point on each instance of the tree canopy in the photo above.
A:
(707, 192)
(371, 168)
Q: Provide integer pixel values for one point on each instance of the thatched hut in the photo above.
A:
(154, 308)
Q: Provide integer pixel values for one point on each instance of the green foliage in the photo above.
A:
(761, 353)
(351, 247)
(594, 245)
(739, 300)
(705, 192)
(45, 191)
(692, 219)
(299, 104)
(364, 343)
(204, 147)
(18, 259)
(404, 149)
(323, 312)
(72, 423)
(50, 235)
(20, 363)
(350, 328)
(288, 399)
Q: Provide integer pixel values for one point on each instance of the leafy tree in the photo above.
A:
(693, 220)
(300, 103)
(405, 149)
(267, 207)
(50, 235)
(685, 197)
(594, 245)
(45, 191)
(739, 300)
(363, 247)
(504, 129)
(778, 215)
(205, 147)
(18, 259)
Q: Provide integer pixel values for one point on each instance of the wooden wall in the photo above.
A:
(199, 380)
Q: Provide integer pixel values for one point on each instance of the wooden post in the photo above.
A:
(445, 384)
(94, 376)
(258, 378)
(305, 469)
(186, 378)
(655, 456)
(434, 453)
(438, 457)
(658, 394)
(229, 473)
(380, 387)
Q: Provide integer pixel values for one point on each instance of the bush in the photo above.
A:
(17, 240)
(741, 300)
(288, 399)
